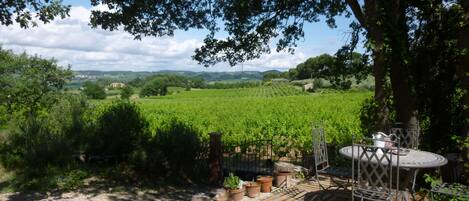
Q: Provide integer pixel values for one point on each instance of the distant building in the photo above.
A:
(308, 87)
(116, 85)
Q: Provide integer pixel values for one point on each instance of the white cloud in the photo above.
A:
(72, 41)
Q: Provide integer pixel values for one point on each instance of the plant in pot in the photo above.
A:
(253, 189)
(234, 186)
(265, 182)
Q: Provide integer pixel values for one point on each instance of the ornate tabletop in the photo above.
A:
(414, 159)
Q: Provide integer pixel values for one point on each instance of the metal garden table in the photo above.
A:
(412, 162)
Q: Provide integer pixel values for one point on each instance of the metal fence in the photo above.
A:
(257, 157)
(251, 157)
(201, 166)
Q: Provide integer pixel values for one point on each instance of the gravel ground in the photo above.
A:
(169, 193)
(98, 190)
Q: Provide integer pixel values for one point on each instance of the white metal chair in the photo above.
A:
(375, 177)
(340, 176)
(409, 138)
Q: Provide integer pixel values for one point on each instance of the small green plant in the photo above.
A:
(72, 180)
(300, 175)
(231, 182)
(447, 191)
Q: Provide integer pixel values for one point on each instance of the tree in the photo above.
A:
(93, 90)
(269, 75)
(197, 82)
(21, 12)
(155, 87)
(137, 82)
(338, 69)
(126, 92)
(29, 83)
(348, 65)
(315, 67)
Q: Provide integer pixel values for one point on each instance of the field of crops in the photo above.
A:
(274, 90)
(260, 112)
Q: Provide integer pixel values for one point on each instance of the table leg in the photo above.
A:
(408, 183)
(405, 195)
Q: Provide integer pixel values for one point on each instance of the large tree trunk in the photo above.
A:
(379, 71)
(369, 21)
(397, 56)
(387, 19)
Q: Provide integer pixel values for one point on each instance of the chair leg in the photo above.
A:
(319, 183)
(339, 185)
(406, 196)
(413, 184)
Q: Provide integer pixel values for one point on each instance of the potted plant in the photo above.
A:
(234, 186)
(282, 178)
(265, 182)
(253, 189)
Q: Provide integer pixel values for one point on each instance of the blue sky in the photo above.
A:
(72, 42)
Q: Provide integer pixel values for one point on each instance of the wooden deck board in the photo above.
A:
(311, 191)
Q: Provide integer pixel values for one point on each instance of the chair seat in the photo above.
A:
(452, 189)
(373, 194)
(341, 172)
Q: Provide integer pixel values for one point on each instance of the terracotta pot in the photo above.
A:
(253, 189)
(236, 194)
(282, 179)
(265, 182)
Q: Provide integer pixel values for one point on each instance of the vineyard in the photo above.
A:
(277, 111)
(274, 90)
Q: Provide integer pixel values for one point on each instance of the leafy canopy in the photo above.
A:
(127, 92)
(250, 24)
(29, 83)
(338, 69)
(156, 86)
(27, 13)
(93, 90)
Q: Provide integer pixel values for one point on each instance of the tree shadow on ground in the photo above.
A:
(103, 190)
(329, 195)
(115, 183)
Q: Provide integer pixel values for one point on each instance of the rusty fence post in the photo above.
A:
(215, 158)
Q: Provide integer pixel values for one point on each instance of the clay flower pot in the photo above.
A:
(282, 179)
(253, 189)
(236, 194)
(265, 182)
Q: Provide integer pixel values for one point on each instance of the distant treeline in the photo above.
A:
(158, 84)
(232, 85)
(130, 75)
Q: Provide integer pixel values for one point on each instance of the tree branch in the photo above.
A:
(357, 11)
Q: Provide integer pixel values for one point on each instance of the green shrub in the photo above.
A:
(126, 92)
(369, 115)
(154, 87)
(449, 190)
(71, 179)
(171, 152)
(49, 139)
(3, 117)
(179, 145)
(119, 129)
(94, 91)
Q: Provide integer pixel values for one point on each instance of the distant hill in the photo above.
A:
(125, 76)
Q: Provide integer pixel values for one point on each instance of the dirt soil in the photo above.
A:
(98, 191)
